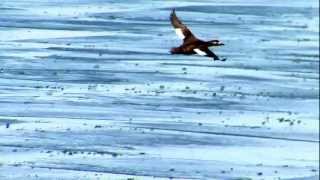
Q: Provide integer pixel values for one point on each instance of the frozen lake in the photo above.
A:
(88, 90)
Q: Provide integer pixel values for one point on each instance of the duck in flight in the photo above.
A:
(191, 44)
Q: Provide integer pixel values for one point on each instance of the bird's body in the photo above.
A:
(191, 44)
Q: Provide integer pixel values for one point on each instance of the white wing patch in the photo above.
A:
(179, 33)
(201, 53)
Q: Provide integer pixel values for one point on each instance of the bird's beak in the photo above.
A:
(221, 44)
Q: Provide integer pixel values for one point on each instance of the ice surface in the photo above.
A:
(88, 90)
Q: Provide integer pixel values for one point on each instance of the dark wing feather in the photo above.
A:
(177, 24)
(210, 53)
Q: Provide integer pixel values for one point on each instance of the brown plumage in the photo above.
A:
(191, 44)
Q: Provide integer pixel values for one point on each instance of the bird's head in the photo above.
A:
(216, 43)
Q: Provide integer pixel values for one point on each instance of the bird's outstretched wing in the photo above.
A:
(206, 52)
(181, 30)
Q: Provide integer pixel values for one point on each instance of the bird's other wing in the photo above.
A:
(181, 30)
(206, 52)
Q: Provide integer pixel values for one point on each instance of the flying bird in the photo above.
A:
(191, 44)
